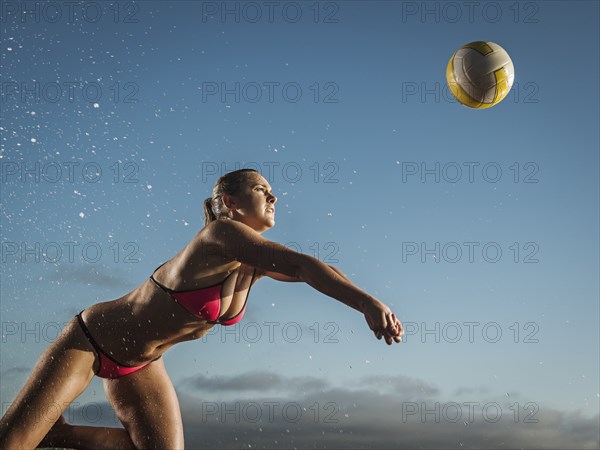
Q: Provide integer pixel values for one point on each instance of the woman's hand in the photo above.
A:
(383, 322)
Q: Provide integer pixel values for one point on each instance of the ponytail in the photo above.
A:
(209, 215)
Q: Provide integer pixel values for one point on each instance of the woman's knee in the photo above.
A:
(155, 425)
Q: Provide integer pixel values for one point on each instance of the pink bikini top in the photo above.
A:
(204, 303)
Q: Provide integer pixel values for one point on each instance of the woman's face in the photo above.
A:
(254, 205)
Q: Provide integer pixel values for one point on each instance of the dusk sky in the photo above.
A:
(479, 228)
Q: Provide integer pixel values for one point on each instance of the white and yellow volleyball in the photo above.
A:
(480, 74)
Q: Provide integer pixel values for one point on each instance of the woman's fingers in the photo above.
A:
(384, 324)
(399, 330)
(392, 325)
(389, 337)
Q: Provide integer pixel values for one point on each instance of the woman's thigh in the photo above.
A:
(61, 374)
(146, 403)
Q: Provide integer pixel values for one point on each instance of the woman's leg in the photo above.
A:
(146, 403)
(61, 374)
(84, 437)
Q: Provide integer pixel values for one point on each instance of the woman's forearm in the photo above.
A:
(339, 272)
(332, 283)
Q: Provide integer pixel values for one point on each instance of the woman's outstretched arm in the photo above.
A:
(240, 242)
(335, 284)
(287, 279)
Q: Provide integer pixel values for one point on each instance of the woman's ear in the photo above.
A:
(229, 201)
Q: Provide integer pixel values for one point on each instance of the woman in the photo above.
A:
(122, 341)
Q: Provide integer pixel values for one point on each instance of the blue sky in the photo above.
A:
(129, 105)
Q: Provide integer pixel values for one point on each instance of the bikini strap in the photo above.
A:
(157, 283)
(159, 267)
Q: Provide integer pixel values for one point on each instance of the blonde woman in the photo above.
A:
(206, 284)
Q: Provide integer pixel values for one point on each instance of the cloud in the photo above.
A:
(345, 419)
(377, 412)
(253, 381)
(271, 411)
(256, 381)
(403, 386)
(470, 390)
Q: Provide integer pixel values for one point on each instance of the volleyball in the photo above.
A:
(480, 74)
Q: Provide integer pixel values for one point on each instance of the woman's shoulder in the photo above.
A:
(224, 239)
(228, 237)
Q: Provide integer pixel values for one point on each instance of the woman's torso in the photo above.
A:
(144, 323)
